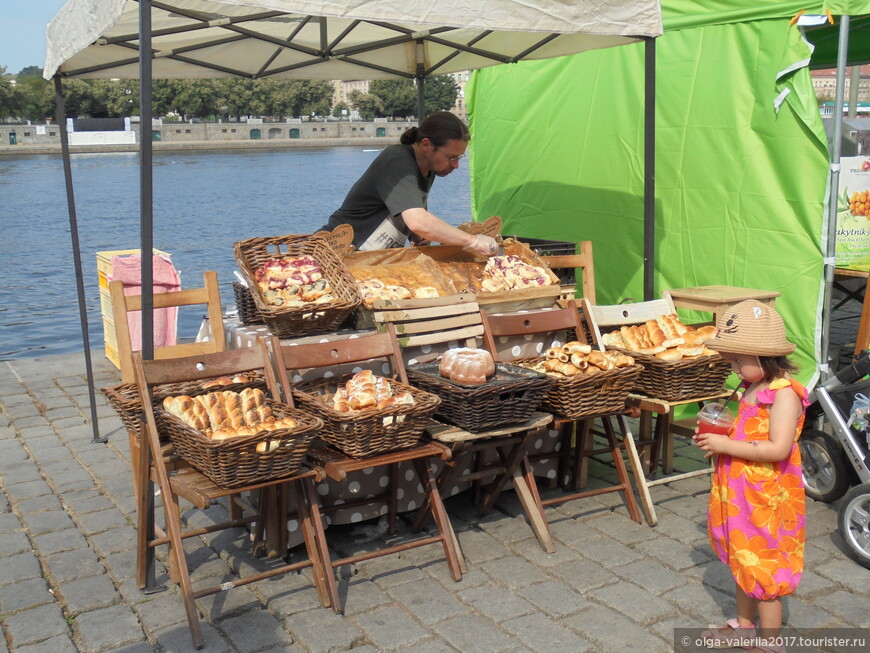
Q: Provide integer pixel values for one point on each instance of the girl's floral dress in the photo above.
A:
(757, 511)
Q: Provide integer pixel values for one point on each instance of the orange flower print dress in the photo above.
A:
(757, 512)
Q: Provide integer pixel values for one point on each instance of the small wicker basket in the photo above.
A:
(509, 397)
(124, 398)
(311, 318)
(248, 313)
(685, 379)
(369, 432)
(588, 395)
(236, 461)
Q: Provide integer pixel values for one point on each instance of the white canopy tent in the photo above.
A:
(307, 39)
(365, 39)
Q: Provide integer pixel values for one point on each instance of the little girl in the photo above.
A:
(757, 512)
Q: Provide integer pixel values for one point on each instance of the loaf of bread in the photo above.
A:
(467, 366)
(227, 414)
(665, 338)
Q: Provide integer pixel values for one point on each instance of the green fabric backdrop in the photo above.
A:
(557, 151)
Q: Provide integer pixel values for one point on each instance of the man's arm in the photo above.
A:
(433, 228)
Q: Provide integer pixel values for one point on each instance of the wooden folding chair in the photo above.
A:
(200, 491)
(656, 438)
(371, 349)
(555, 321)
(424, 333)
(208, 295)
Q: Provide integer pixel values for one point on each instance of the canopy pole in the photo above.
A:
(831, 226)
(649, 176)
(147, 238)
(146, 205)
(420, 53)
(60, 116)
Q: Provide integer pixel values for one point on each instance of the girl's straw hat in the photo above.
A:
(751, 327)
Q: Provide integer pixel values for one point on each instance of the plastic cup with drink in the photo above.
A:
(715, 418)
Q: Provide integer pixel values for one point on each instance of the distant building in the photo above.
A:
(825, 83)
(343, 89)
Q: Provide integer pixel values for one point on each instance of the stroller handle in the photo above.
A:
(856, 370)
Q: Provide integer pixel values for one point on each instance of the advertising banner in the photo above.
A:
(853, 214)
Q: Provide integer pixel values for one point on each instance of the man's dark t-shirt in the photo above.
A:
(374, 204)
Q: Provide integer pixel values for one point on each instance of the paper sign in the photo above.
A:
(853, 214)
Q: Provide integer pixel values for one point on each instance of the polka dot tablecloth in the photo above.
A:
(370, 483)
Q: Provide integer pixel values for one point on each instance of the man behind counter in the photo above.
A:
(387, 205)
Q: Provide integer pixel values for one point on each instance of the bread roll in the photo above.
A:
(669, 355)
(655, 333)
(613, 339)
(579, 361)
(691, 350)
(554, 352)
(268, 446)
(575, 347)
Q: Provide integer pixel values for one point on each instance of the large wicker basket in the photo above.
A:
(509, 397)
(685, 379)
(124, 398)
(588, 395)
(311, 318)
(369, 432)
(236, 461)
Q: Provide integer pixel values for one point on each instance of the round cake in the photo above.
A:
(467, 366)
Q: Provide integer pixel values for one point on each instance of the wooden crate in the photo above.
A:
(104, 272)
(491, 302)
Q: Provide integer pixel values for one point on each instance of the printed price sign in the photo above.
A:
(853, 214)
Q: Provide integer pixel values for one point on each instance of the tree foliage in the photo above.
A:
(399, 96)
(32, 98)
(368, 105)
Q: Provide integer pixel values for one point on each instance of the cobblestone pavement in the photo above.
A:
(67, 574)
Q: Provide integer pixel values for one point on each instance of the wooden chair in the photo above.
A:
(195, 487)
(583, 262)
(209, 295)
(555, 321)
(656, 436)
(370, 349)
(499, 455)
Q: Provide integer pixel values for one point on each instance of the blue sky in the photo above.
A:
(22, 31)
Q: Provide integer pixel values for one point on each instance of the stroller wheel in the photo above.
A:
(854, 522)
(825, 470)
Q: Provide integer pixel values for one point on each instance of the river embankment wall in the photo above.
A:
(16, 139)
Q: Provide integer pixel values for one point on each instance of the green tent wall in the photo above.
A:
(741, 157)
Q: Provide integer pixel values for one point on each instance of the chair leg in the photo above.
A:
(527, 492)
(566, 434)
(445, 529)
(621, 471)
(393, 508)
(637, 469)
(581, 454)
(320, 564)
(316, 522)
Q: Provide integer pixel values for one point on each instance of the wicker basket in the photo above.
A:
(235, 462)
(309, 319)
(509, 397)
(248, 313)
(588, 395)
(124, 398)
(370, 432)
(685, 379)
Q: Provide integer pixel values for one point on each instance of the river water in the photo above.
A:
(203, 203)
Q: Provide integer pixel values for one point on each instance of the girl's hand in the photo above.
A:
(712, 443)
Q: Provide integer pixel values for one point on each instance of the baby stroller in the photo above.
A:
(834, 463)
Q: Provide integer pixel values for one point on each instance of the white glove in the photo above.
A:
(482, 245)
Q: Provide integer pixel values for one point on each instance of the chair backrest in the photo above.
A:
(209, 295)
(443, 321)
(582, 261)
(615, 315)
(531, 323)
(347, 351)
